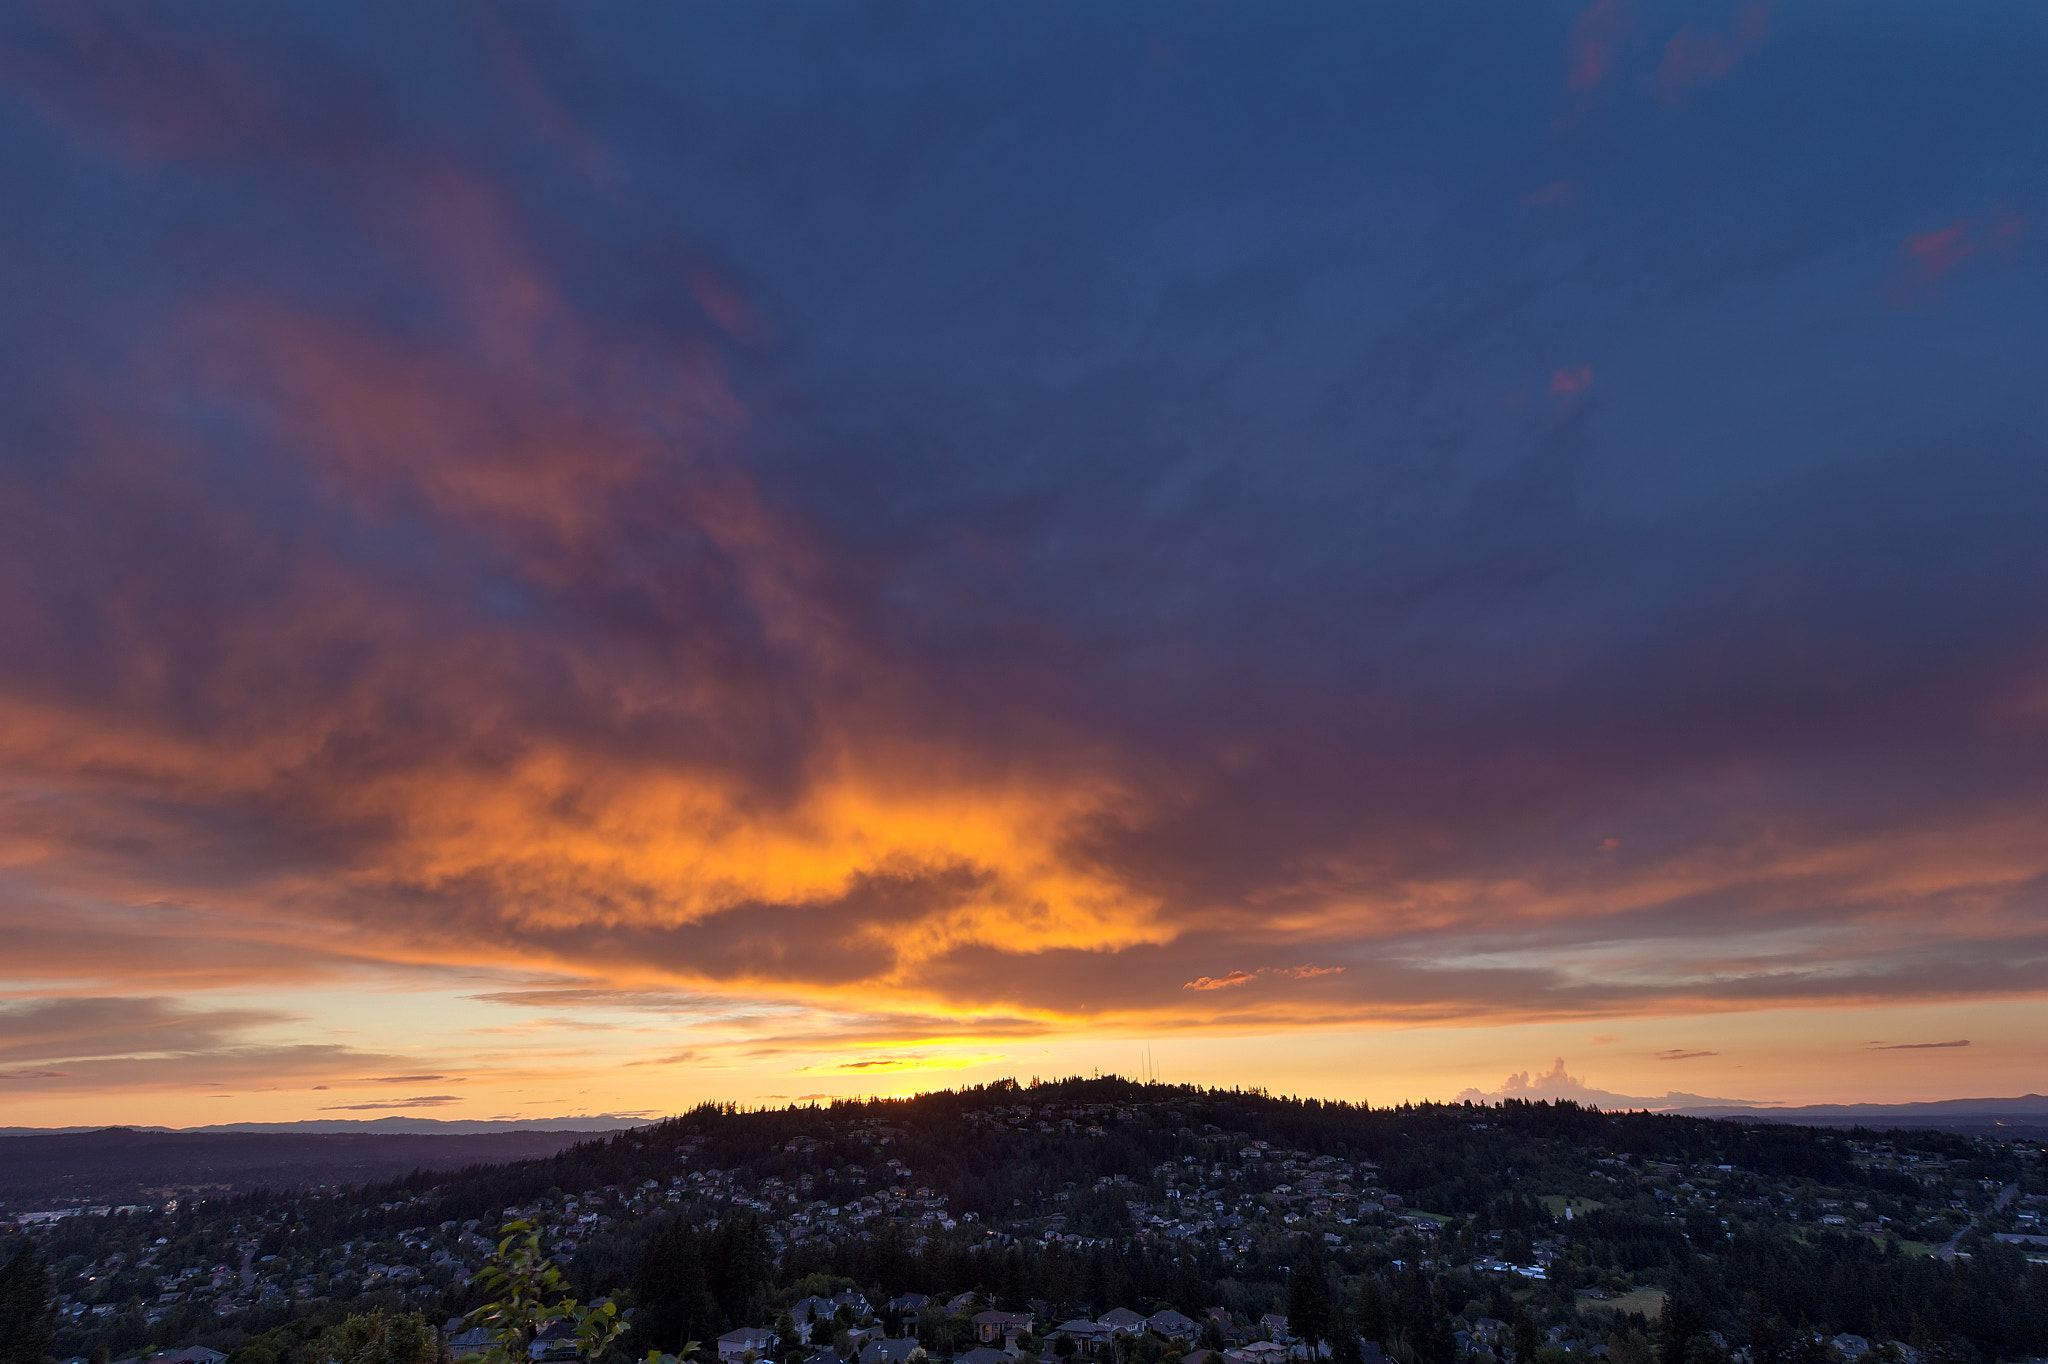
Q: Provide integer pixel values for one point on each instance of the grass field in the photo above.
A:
(1648, 1301)
(1554, 1204)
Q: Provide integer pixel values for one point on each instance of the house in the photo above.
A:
(1084, 1333)
(555, 1341)
(748, 1340)
(990, 1327)
(1852, 1347)
(983, 1354)
(1258, 1352)
(960, 1306)
(910, 1308)
(819, 1310)
(1171, 1324)
(474, 1341)
(1122, 1321)
(196, 1354)
(1275, 1327)
(888, 1351)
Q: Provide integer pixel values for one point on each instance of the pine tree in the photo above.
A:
(1372, 1311)
(1343, 1336)
(1308, 1297)
(673, 1302)
(1527, 1342)
(27, 1309)
(1680, 1322)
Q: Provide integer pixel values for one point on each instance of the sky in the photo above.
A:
(563, 560)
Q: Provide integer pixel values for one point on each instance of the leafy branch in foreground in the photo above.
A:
(528, 1295)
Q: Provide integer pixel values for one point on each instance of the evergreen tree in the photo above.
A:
(1308, 1296)
(27, 1309)
(673, 1302)
(736, 1254)
(1343, 1336)
(1437, 1343)
(1527, 1340)
(1372, 1311)
(1676, 1329)
(1770, 1339)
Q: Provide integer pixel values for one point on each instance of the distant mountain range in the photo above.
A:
(601, 1122)
(2027, 1113)
(142, 1165)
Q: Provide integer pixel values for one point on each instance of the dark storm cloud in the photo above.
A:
(1386, 513)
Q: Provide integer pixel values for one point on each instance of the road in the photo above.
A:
(2005, 1196)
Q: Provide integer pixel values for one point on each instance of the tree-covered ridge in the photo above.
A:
(1430, 1228)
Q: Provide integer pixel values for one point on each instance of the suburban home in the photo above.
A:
(990, 1327)
(910, 1308)
(1275, 1326)
(983, 1354)
(1171, 1324)
(1258, 1352)
(1122, 1321)
(474, 1341)
(196, 1354)
(754, 1340)
(555, 1341)
(1085, 1334)
(887, 1351)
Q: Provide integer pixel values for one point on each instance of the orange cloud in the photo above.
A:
(1265, 972)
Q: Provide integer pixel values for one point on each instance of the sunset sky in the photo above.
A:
(582, 559)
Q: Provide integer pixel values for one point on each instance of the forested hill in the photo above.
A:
(988, 1150)
(1434, 1224)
